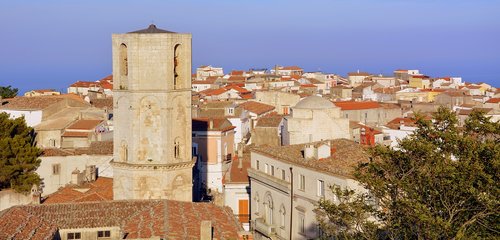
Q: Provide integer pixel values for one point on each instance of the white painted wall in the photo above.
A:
(32, 118)
(67, 165)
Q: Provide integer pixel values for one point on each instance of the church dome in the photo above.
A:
(314, 102)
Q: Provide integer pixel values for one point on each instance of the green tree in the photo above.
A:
(442, 182)
(18, 155)
(8, 92)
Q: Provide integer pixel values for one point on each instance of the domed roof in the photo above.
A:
(314, 102)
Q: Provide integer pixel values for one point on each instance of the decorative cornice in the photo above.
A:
(172, 166)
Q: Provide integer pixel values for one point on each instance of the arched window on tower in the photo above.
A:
(177, 148)
(123, 66)
(176, 66)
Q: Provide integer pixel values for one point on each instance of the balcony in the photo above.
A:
(264, 228)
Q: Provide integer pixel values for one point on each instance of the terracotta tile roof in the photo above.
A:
(358, 74)
(353, 105)
(95, 148)
(346, 154)
(237, 78)
(75, 134)
(100, 190)
(44, 90)
(136, 219)
(237, 174)
(493, 100)
(308, 86)
(102, 103)
(354, 125)
(237, 73)
(107, 78)
(397, 122)
(292, 68)
(30, 103)
(85, 84)
(387, 90)
(219, 124)
(212, 92)
(237, 88)
(207, 81)
(84, 124)
(269, 121)
(256, 107)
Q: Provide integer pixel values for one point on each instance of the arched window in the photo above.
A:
(176, 66)
(269, 209)
(282, 215)
(257, 201)
(123, 66)
(177, 148)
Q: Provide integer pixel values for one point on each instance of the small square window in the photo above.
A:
(272, 170)
(282, 174)
(74, 235)
(257, 164)
(104, 234)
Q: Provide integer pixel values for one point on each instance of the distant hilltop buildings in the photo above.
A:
(156, 151)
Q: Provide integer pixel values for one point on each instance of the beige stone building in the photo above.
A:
(152, 115)
(282, 101)
(287, 182)
(313, 119)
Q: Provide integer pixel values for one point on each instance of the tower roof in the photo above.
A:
(152, 29)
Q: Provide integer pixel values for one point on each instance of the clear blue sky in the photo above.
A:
(50, 44)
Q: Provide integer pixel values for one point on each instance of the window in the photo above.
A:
(176, 67)
(302, 182)
(282, 174)
(177, 148)
(282, 216)
(266, 168)
(321, 188)
(74, 235)
(272, 170)
(52, 142)
(302, 223)
(104, 234)
(257, 164)
(56, 169)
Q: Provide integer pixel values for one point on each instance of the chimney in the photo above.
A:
(90, 173)
(206, 231)
(309, 151)
(76, 177)
(35, 194)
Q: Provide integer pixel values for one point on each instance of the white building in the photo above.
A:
(208, 71)
(287, 182)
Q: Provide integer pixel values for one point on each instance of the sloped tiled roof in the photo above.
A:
(256, 107)
(100, 190)
(271, 121)
(152, 29)
(353, 105)
(346, 154)
(165, 219)
(85, 124)
(237, 174)
(218, 124)
(493, 100)
(102, 103)
(37, 102)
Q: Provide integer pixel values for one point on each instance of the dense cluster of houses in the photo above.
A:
(268, 142)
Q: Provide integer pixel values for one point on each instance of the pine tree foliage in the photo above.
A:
(8, 92)
(18, 155)
(442, 182)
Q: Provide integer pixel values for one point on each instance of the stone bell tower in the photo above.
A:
(152, 115)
